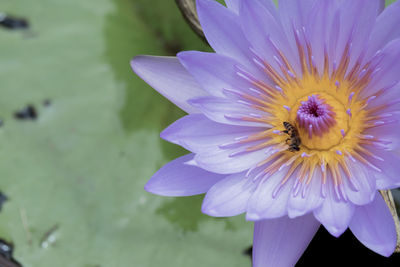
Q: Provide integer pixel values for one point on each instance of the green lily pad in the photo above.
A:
(74, 177)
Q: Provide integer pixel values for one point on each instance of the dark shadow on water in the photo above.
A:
(135, 29)
(346, 251)
(343, 251)
(126, 35)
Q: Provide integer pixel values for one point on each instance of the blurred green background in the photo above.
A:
(74, 177)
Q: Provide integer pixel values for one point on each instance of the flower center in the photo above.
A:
(320, 119)
(315, 116)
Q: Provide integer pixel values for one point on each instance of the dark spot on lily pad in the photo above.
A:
(3, 198)
(13, 23)
(27, 113)
(248, 251)
(47, 102)
(6, 257)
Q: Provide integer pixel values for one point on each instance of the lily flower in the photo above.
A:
(293, 120)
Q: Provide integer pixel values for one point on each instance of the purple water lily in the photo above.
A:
(293, 120)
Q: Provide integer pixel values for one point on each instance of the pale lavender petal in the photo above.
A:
(214, 72)
(392, 93)
(373, 226)
(385, 29)
(295, 15)
(334, 214)
(229, 112)
(360, 188)
(233, 5)
(197, 133)
(224, 34)
(357, 20)
(389, 175)
(228, 197)
(224, 161)
(270, 199)
(281, 242)
(295, 12)
(390, 138)
(306, 198)
(169, 78)
(270, 6)
(258, 25)
(177, 178)
(388, 64)
(320, 18)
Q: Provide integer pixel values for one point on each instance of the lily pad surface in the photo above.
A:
(74, 175)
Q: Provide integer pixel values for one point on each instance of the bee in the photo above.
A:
(294, 140)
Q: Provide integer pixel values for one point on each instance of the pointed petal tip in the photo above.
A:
(385, 251)
(178, 179)
(292, 214)
(336, 232)
(373, 226)
(253, 217)
(213, 211)
(150, 188)
(137, 62)
(208, 210)
(169, 77)
(182, 57)
(184, 54)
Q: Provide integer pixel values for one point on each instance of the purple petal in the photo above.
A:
(228, 197)
(224, 34)
(386, 28)
(373, 225)
(229, 112)
(318, 28)
(388, 177)
(270, 199)
(226, 162)
(296, 12)
(386, 133)
(197, 133)
(357, 20)
(258, 25)
(362, 189)
(281, 242)
(392, 93)
(169, 78)
(179, 179)
(389, 64)
(233, 5)
(334, 214)
(214, 72)
(307, 198)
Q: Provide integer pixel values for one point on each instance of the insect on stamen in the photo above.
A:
(294, 140)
